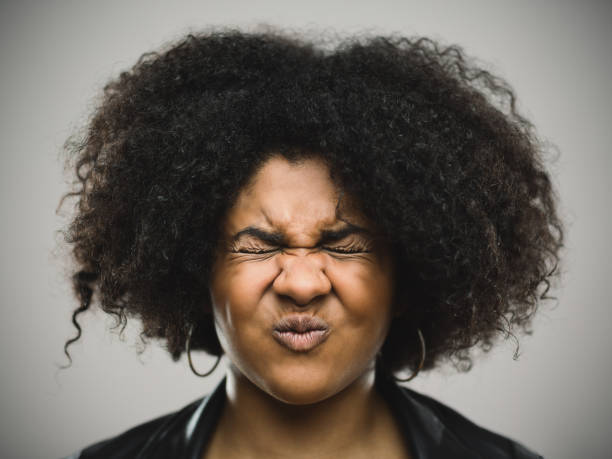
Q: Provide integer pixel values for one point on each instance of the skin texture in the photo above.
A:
(300, 396)
(251, 292)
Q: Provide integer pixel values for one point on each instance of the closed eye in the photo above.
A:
(254, 251)
(342, 250)
(347, 250)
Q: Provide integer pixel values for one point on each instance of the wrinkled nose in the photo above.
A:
(302, 278)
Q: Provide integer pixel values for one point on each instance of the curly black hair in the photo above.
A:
(429, 143)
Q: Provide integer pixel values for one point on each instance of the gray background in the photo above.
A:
(55, 57)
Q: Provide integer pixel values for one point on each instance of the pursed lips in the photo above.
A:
(301, 333)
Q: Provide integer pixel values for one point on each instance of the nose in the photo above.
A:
(302, 278)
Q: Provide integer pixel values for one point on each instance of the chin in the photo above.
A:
(298, 394)
(302, 386)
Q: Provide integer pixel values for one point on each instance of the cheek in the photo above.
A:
(365, 291)
(236, 291)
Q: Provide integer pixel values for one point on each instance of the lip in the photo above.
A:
(300, 333)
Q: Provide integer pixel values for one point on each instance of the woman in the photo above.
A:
(326, 219)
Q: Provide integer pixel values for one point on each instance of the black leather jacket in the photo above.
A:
(433, 429)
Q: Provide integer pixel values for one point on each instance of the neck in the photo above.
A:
(329, 428)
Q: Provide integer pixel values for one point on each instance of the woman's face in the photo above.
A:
(295, 315)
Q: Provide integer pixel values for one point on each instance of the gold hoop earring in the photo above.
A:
(413, 375)
(188, 348)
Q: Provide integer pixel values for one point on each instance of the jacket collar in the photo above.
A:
(420, 425)
(422, 428)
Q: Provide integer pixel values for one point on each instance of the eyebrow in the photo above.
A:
(278, 238)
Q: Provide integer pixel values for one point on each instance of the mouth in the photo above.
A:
(300, 333)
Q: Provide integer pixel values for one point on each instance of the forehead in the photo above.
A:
(298, 198)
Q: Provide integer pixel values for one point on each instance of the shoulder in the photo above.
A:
(472, 437)
(130, 443)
